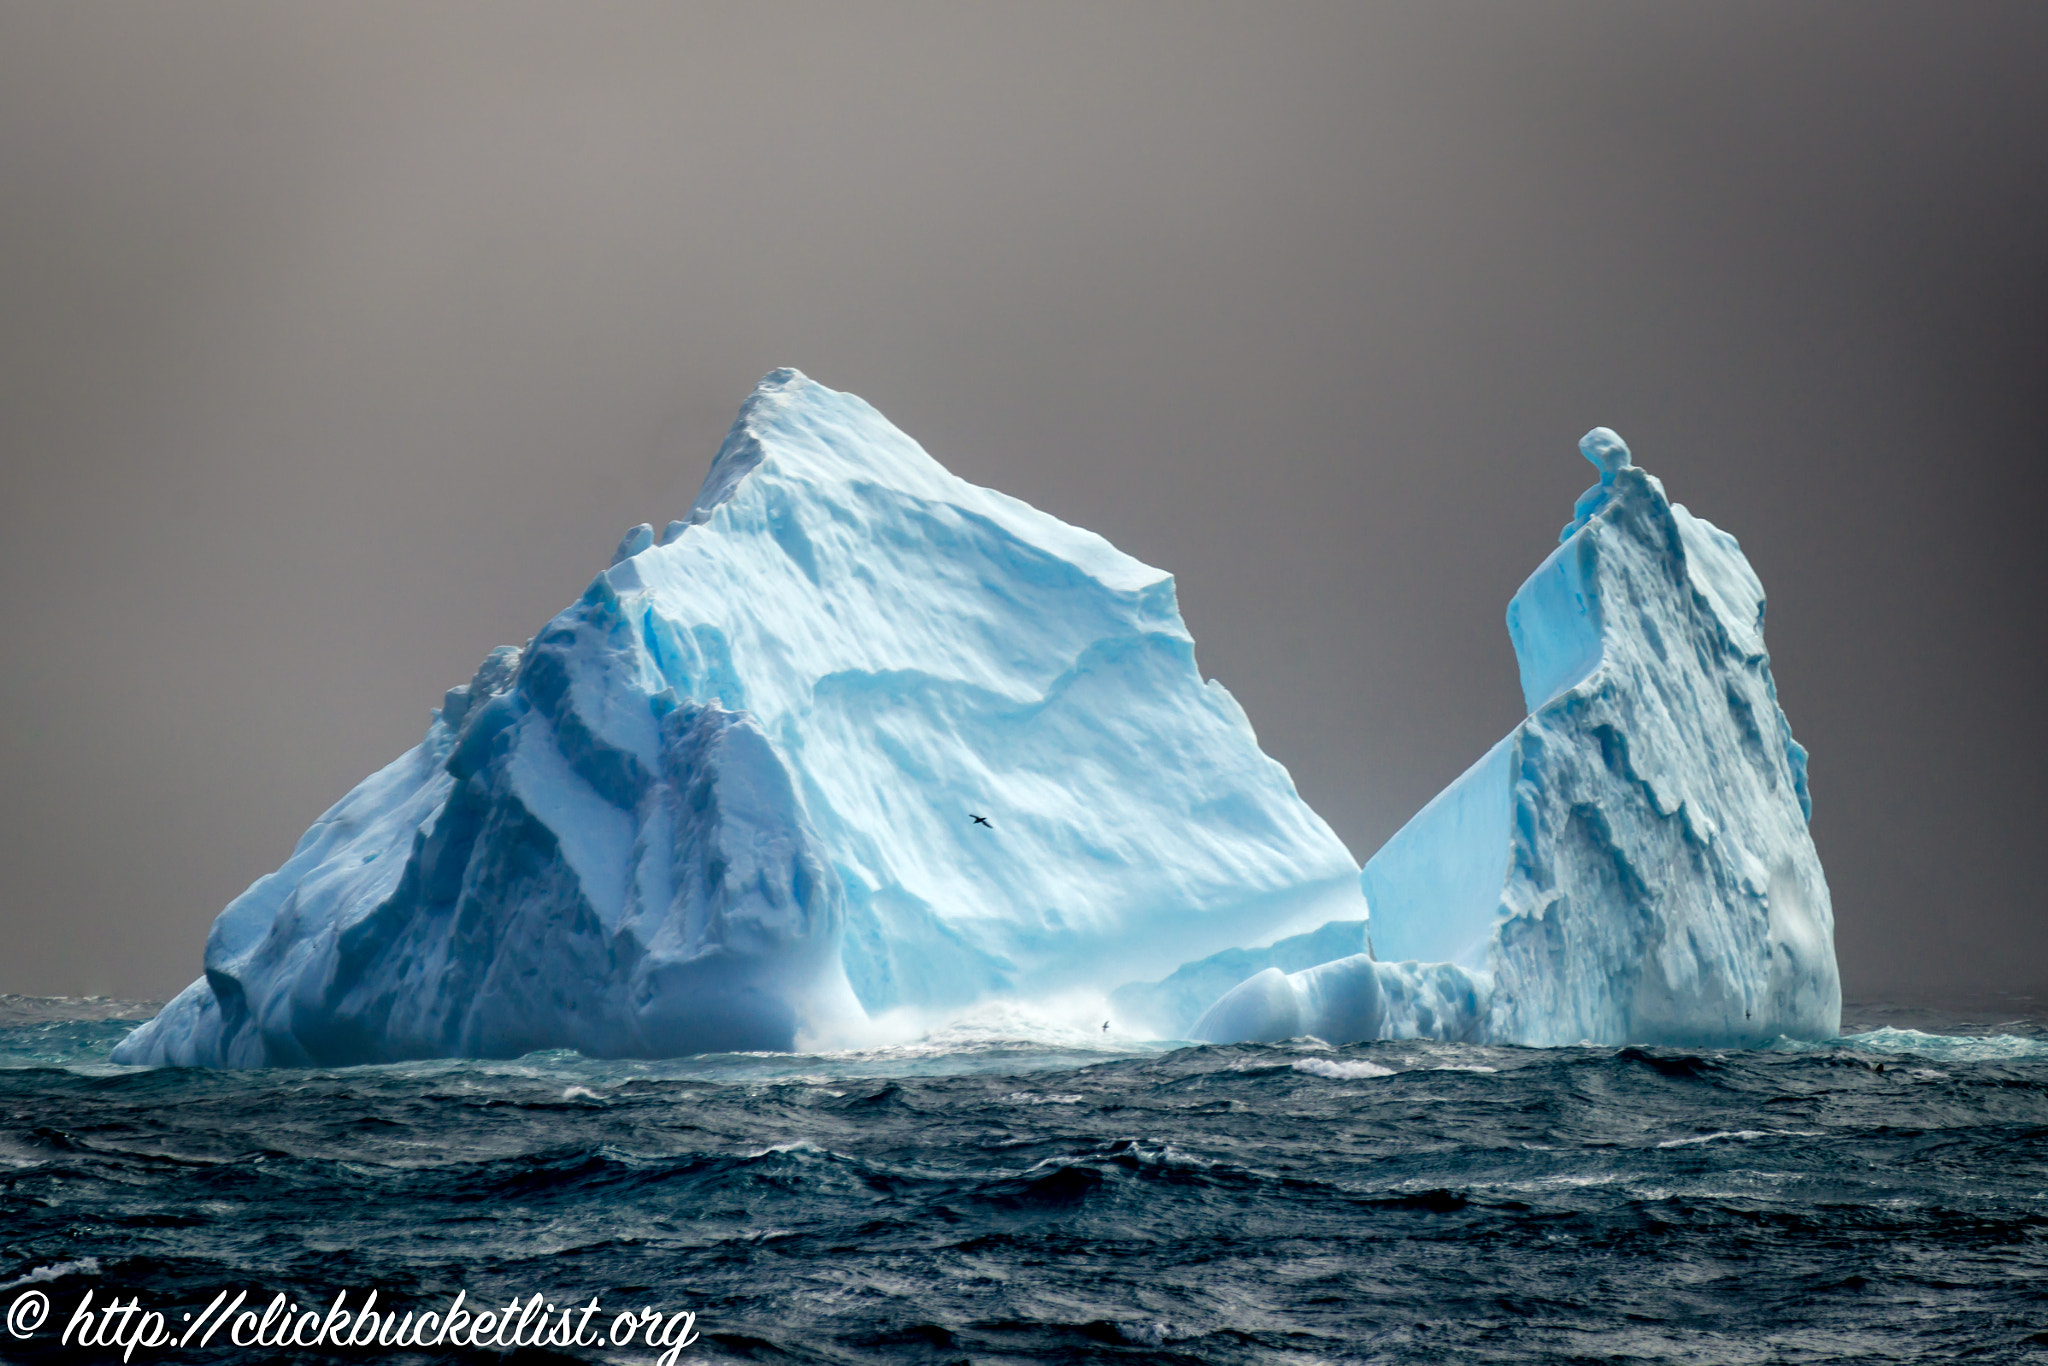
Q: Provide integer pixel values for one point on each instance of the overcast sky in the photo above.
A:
(338, 344)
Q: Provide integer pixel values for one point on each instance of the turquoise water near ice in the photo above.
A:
(1880, 1197)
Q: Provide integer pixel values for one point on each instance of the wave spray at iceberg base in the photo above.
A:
(724, 801)
(1631, 864)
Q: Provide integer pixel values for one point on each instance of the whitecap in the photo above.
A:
(57, 1271)
(1947, 1047)
(1742, 1134)
(1337, 1070)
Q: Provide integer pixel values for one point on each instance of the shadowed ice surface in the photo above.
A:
(1881, 1196)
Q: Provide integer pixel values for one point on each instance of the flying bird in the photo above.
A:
(980, 820)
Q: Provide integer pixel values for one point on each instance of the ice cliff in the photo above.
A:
(1631, 863)
(724, 800)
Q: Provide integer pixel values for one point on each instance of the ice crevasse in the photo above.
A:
(725, 799)
(1632, 862)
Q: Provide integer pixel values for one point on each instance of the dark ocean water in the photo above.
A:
(1881, 1198)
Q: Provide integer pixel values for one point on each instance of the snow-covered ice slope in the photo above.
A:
(1632, 862)
(724, 800)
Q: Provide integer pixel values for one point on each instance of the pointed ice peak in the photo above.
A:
(782, 379)
(778, 391)
(819, 437)
(741, 450)
(1608, 452)
(799, 448)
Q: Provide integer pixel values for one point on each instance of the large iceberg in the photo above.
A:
(857, 745)
(727, 799)
(1631, 863)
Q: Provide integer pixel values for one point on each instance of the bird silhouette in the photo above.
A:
(980, 820)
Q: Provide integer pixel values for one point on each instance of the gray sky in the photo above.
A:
(339, 343)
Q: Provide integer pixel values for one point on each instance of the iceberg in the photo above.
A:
(1630, 864)
(728, 798)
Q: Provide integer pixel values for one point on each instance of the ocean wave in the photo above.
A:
(1342, 1071)
(1949, 1047)
(1010, 1199)
(84, 1266)
(1739, 1135)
